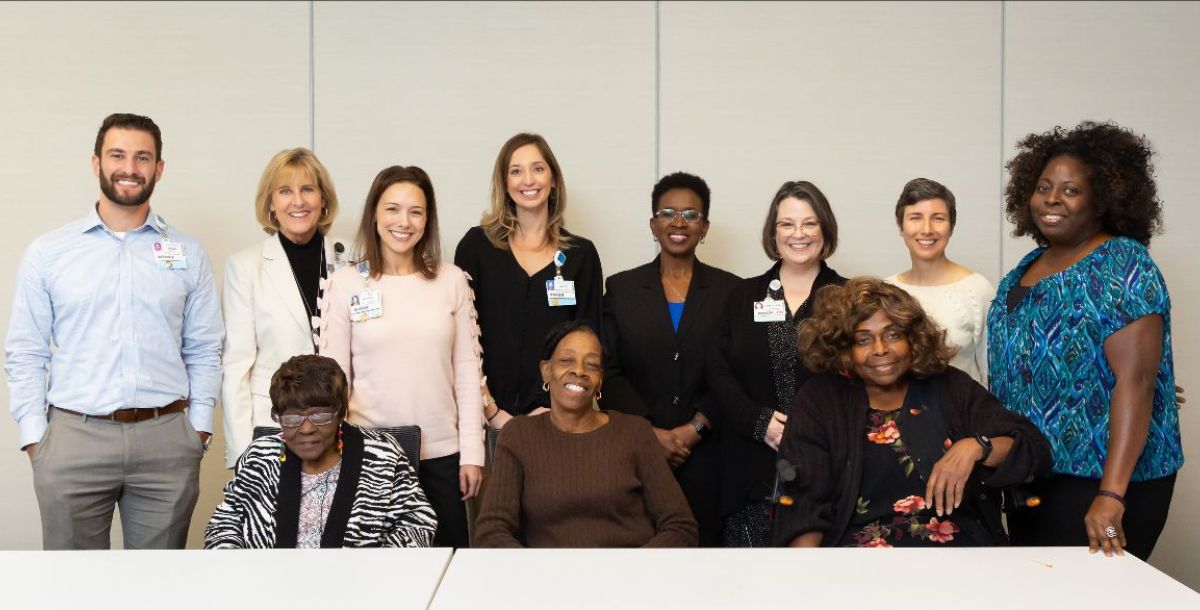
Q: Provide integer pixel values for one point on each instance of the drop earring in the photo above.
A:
(282, 450)
(340, 444)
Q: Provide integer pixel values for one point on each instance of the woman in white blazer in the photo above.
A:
(271, 289)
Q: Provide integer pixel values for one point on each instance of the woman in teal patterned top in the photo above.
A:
(1080, 340)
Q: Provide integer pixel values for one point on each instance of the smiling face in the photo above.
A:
(677, 236)
(798, 234)
(881, 353)
(400, 218)
(297, 203)
(574, 372)
(1061, 203)
(529, 177)
(127, 166)
(926, 229)
(316, 446)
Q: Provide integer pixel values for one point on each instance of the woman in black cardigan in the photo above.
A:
(660, 318)
(528, 273)
(753, 369)
(891, 445)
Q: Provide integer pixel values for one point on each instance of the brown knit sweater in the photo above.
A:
(610, 487)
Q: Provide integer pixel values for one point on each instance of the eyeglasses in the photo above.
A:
(689, 215)
(295, 420)
(809, 227)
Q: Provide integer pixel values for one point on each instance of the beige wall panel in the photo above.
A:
(443, 85)
(227, 83)
(1134, 63)
(857, 98)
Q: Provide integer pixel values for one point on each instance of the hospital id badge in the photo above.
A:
(366, 305)
(560, 292)
(769, 310)
(169, 254)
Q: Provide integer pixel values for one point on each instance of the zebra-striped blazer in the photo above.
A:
(378, 501)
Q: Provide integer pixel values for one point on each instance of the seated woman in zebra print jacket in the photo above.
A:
(322, 482)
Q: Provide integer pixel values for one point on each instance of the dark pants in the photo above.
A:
(439, 481)
(699, 478)
(1058, 521)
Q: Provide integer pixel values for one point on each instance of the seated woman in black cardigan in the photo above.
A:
(321, 482)
(891, 445)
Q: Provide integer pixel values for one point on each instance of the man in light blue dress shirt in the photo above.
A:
(121, 311)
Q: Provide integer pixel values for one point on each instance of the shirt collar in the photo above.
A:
(92, 221)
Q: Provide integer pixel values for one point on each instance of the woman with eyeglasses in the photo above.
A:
(322, 482)
(660, 318)
(753, 369)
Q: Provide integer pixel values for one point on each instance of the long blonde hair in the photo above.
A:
(500, 221)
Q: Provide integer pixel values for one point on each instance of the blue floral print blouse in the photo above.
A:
(1046, 356)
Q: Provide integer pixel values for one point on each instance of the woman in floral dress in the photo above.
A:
(891, 445)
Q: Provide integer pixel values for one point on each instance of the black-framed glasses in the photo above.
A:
(295, 420)
(689, 215)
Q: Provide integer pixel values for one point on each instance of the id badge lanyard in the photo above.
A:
(560, 292)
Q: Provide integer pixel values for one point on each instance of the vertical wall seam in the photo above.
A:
(657, 92)
(1000, 224)
(312, 76)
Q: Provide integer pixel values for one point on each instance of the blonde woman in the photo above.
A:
(271, 290)
(529, 273)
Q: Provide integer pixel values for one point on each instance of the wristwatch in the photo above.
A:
(984, 441)
(700, 428)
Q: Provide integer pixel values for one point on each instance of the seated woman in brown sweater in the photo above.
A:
(891, 446)
(577, 476)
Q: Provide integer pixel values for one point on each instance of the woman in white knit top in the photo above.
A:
(953, 295)
(401, 323)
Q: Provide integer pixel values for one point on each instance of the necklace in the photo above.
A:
(666, 282)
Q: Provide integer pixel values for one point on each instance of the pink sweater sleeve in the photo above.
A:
(467, 373)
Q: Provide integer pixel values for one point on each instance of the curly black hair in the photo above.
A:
(1124, 194)
(681, 180)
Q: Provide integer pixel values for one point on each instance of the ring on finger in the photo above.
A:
(1110, 532)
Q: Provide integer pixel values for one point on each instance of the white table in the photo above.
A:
(346, 579)
(1009, 578)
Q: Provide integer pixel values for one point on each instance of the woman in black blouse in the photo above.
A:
(528, 273)
(753, 368)
(659, 320)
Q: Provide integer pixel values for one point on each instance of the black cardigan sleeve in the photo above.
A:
(807, 446)
(981, 413)
(589, 288)
(739, 412)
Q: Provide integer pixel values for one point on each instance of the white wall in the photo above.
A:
(857, 97)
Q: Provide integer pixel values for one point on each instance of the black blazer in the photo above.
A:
(743, 385)
(651, 370)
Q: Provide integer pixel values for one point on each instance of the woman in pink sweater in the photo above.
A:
(401, 323)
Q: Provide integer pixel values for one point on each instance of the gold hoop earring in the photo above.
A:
(545, 387)
(597, 394)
